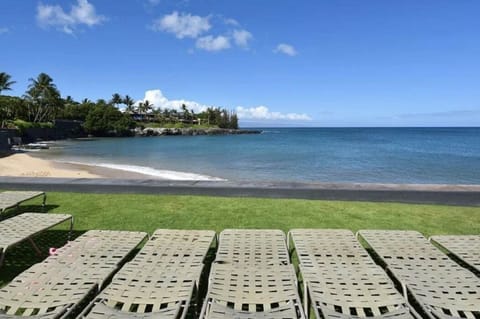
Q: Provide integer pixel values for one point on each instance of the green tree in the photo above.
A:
(43, 99)
(234, 121)
(116, 99)
(129, 102)
(5, 83)
(104, 119)
(145, 107)
(186, 113)
(158, 115)
(77, 111)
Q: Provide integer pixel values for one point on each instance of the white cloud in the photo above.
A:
(210, 43)
(182, 25)
(285, 49)
(241, 37)
(186, 25)
(157, 98)
(81, 13)
(263, 113)
(233, 22)
(84, 13)
(4, 30)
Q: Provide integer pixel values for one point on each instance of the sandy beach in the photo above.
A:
(26, 165)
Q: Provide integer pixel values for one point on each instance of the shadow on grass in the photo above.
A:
(22, 256)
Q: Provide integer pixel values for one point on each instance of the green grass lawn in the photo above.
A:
(149, 212)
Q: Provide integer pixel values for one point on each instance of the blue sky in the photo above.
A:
(295, 63)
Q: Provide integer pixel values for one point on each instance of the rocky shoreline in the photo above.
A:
(151, 131)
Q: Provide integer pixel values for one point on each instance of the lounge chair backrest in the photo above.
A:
(315, 246)
(252, 247)
(10, 199)
(464, 247)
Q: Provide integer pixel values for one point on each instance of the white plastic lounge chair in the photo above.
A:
(441, 287)
(341, 280)
(55, 287)
(11, 199)
(252, 278)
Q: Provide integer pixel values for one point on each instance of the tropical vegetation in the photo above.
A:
(42, 104)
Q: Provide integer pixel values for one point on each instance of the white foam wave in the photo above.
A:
(164, 174)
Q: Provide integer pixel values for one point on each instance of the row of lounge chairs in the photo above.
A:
(251, 277)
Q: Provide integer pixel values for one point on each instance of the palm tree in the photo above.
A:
(5, 83)
(186, 113)
(43, 97)
(129, 102)
(116, 99)
(145, 107)
(158, 115)
(69, 100)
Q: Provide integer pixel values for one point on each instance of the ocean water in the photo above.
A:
(365, 155)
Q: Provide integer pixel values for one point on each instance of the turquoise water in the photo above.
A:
(384, 155)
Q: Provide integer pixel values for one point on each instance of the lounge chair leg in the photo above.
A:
(204, 309)
(288, 243)
(35, 247)
(196, 306)
(305, 296)
(71, 229)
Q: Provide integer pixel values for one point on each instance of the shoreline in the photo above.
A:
(25, 164)
(32, 165)
(23, 171)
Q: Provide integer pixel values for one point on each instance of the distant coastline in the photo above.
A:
(192, 131)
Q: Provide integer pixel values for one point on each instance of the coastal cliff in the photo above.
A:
(151, 131)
